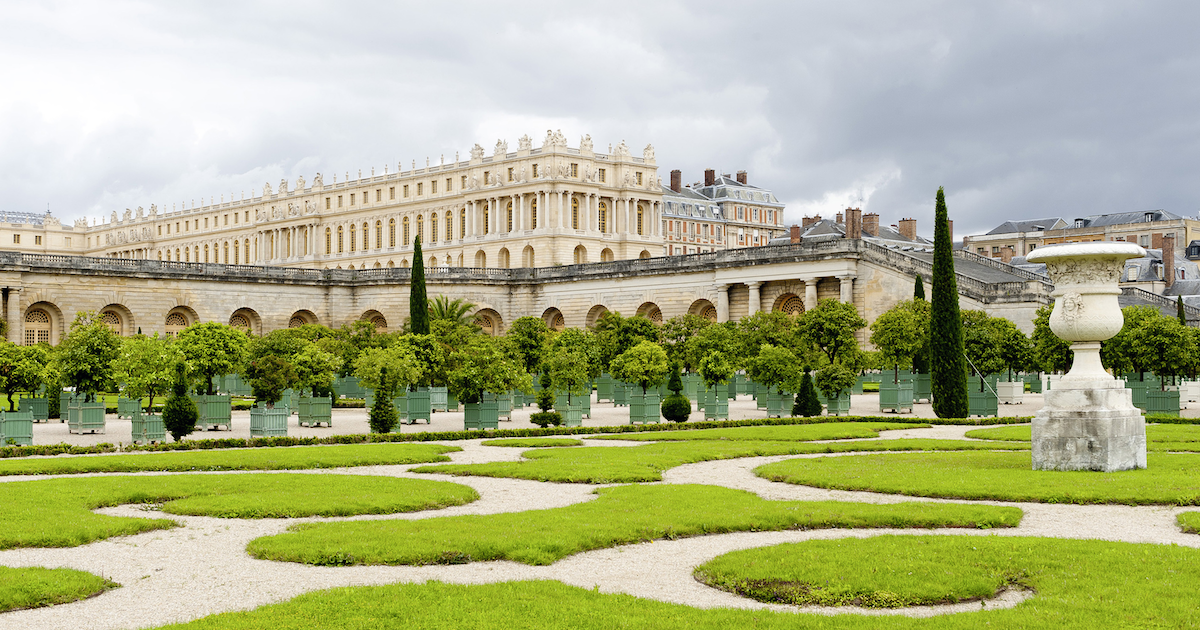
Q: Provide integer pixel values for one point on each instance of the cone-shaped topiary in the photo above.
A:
(418, 303)
(1179, 310)
(676, 407)
(383, 418)
(947, 363)
(179, 412)
(807, 404)
(919, 289)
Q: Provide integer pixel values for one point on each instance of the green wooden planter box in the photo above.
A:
(839, 406)
(1139, 389)
(291, 398)
(438, 399)
(401, 404)
(233, 385)
(572, 413)
(451, 402)
(716, 402)
(586, 400)
(742, 385)
(779, 403)
(761, 394)
(504, 405)
(38, 406)
(646, 407)
(621, 394)
(147, 428)
(1160, 402)
(482, 415)
(981, 403)
(419, 405)
(348, 387)
(314, 411)
(604, 388)
(922, 388)
(693, 386)
(85, 416)
(64, 404)
(214, 411)
(369, 400)
(1035, 383)
(269, 422)
(126, 407)
(896, 397)
(16, 428)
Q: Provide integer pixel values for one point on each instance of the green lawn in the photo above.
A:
(1080, 585)
(621, 515)
(786, 433)
(1170, 479)
(57, 512)
(285, 458)
(879, 572)
(604, 464)
(36, 587)
(1159, 437)
(533, 442)
(1189, 522)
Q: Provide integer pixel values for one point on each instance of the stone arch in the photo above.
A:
(377, 319)
(594, 315)
(378, 265)
(502, 258)
(704, 309)
(449, 262)
(554, 319)
(606, 255)
(480, 259)
(391, 264)
(179, 318)
(302, 317)
(43, 323)
(789, 303)
(644, 254)
(490, 321)
(247, 319)
(119, 319)
(650, 311)
(404, 263)
(433, 261)
(527, 256)
(580, 254)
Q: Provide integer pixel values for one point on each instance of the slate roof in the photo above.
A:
(1119, 218)
(1010, 227)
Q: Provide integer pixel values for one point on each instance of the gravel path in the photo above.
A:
(201, 568)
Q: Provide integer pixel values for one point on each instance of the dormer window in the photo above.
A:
(1149, 217)
(1079, 223)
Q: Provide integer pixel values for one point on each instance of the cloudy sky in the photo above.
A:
(1020, 109)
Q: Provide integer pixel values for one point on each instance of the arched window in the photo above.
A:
(508, 218)
(175, 323)
(240, 321)
(365, 233)
(602, 217)
(533, 214)
(449, 227)
(421, 228)
(640, 220)
(328, 242)
(340, 233)
(246, 246)
(226, 252)
(462, 224)
(391, 232)
(353, 238)
(177, 258)
(205, 254)
(574, 213)
(236, 250)
(37, 327)
(378, 234)
(433, 226)
(487, 219)
(112, 320)
(197, 253)
(406, 234)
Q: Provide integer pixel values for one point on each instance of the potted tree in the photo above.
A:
(431, 358)
(179, 412)
(567, 369)
(1167, 348)
(807, 404)
(585, 344)
(269, 376)
(831, 328)
(480, 372)
(716, 371)
(835, 381)
(23, 369)
(403, 371)
(545, 402)
(147, 367)
(775, 369)
(84, 360)
(981, 345)
(315, 371)
(213, 350)
(675, 406)
(645, 365)
(1015, 353)
(899, 335)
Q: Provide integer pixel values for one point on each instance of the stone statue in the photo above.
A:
(114, 216)
(621, 150)
(476, 153)
(547, 171)
(153, 210)
(501, 148)
(589, 174)
(128, 215)
(300, 183)
(140, 213)
(318, 181)
(267, 189)
(108, 239)
(81, 223)
(293, 210)
(648, 153)
(283, 186)
(524, 143)
(473, 183)
(559, 139)
(658, 183)
(522, 178)
(120, 238)
(628, 179)
(549, 141)
(585, 144)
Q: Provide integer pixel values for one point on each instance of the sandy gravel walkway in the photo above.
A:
(202, 568)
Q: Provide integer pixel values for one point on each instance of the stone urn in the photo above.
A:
(1089, 421)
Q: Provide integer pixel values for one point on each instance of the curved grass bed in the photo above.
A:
(1189, 522)
(783, 433)
(1170, 479)
(1079, 584)
(632, 464)
(621, 515)
(1159, 437)
(284, 458)
(28, 507)
(533, 442)
(877, 572)
(36, 587)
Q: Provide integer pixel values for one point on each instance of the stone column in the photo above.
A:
(755, 297)
(847, 287)
(520, 218)
(810, 293)
(14, 316)
(722, 303)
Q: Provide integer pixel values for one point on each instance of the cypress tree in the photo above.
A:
(1179, 310)
(947, 365)
(806, 403)
(418, 304)
(919, 289)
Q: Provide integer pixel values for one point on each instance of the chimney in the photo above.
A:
(741, 177)
(795, 233)
(870, 224)
(1168, 256)
(950, 229)
(1006, 254)
(807, 221)
(908, 229)
(839, 217)
(854, 227)
(710, 177)
(1156, 241)
(676, 180)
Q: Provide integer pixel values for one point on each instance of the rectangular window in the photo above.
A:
(535, 171)
(392, 192)
(406, 191)
(176, 228)
(487, 177)
(378, 194)
(37, 239)
(227, 219)
(198, 223)
(67, 241)
(419, 187)
(603, 175)
(339, 201)
(247, 217)
(235, 215)
(510, 174)
(995, 249)
(160, 230)
(574, 169)
(433, 187)
(16, 238)
(352, 199)
(462, 184)
(638, 177)
(206, 223)
(981, 251)
(449, 185)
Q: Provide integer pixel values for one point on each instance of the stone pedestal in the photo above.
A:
(1089, 425)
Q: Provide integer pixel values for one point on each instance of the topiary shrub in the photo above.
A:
(545, 396)
(806, 404)
(179, 414)
(382, 418)
(546, 418)
(676, 407)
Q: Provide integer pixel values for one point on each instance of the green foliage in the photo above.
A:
(677, 332)
(1180, 314)
(772, 433)
(675, 407)
(545, 395)
(179, 413)
(766, 328)
(585, 343)
(568, 371)
(456, 311)
(315, 368)
(268, 377)
(835, 378)
(531, 339)
(431, 357)
(1015, 350)
(620, 515)
(35, 587)
(546, 418)
(644, 364)
(980, 343)
(1170, 479)
(22, 369)
(675, 382)
(1167, 347)
(484, 365)
(947, 365)
(533, 442)
(403, 368)
(831, 327)
(85, 357)
(1051, 354)
(717, 339)
(212, 349)
(383, 417)
(146, 366)
(776, 367)
(616, 335)
(418, 304)
(807, 404)
(715, 369)
(901, 332)
(919, 288)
